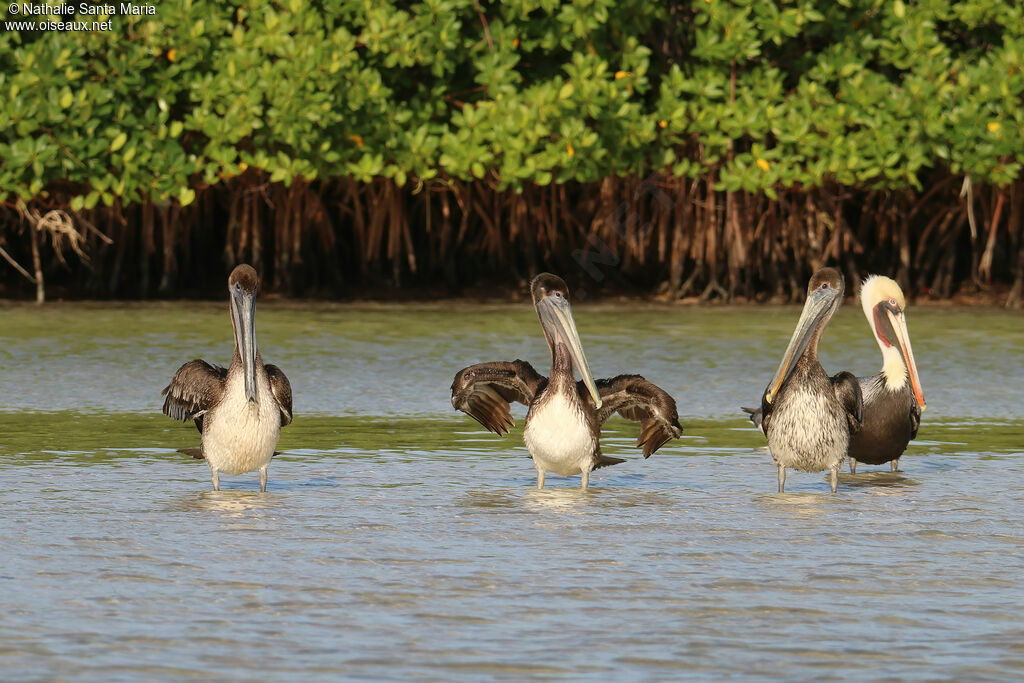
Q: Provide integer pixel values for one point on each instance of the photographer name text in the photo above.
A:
(88, 9)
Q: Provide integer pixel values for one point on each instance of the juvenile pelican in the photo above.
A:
(238, 411)
(563, 425)
(893, 399)
(808, 416)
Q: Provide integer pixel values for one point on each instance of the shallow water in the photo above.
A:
(398, 539)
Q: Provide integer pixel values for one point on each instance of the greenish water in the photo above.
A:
(398, 539)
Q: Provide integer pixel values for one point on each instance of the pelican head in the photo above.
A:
(824, 294)
(242, 286)
(551, 301)
(885, 308)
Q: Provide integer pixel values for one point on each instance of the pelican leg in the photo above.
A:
(853, 466)
(894, 464)
(585, 481)
(834, 479)
(782, 479)
(215, 475)
(263, 479)
(540, 479)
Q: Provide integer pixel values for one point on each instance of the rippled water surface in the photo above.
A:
(398, 539)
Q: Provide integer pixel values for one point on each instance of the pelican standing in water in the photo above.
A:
(563, 425)
(238, 411)
(893, 399)
(808, 416)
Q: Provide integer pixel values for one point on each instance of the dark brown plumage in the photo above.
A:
(891, 421)
(848, 392)
(486, 391)
(281, 389)
(245, 277)
(195, 387)
(636, 399)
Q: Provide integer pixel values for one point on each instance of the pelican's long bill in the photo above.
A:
(818, 308)
(556, 318)
(898, 320)
(243, 319)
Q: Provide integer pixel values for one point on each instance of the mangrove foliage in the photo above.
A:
(715, 148)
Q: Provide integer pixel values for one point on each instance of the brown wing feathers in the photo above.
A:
(487, 407)
(634, 398)
(654, 435)
(195, 387)
(848, 392)
(281, 388)
(485, 391)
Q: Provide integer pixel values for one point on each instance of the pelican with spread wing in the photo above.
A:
(563, 425)
(239, 411)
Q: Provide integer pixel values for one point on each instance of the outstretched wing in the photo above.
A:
(634, 398)
(282, 391)
(848, 392)
(485, 391)
(194, 389)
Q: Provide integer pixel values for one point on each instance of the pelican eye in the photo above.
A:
(824, 285)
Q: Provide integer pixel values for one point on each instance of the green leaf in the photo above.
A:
(186, 196)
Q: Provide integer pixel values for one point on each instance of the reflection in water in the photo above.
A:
(564, 501)
(491, 500)
(231, 503)
(878, 479)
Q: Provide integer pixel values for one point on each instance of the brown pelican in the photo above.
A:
(563, 425)
(892, 404)
(239, 411)
(808, 416)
